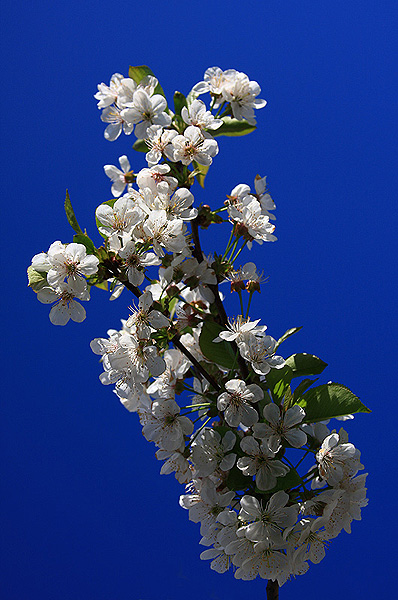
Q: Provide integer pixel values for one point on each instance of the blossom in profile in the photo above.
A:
(119, 178)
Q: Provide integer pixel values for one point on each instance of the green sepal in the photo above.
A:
(221, 353)
(179, 102)
(140, 146)
(70, 215)
(328, 401)
(201, 172)
(36, 280)
(99, 224)
(287, 334)
(233, 128)
(82, 238)
(305, 364)
(138, 73)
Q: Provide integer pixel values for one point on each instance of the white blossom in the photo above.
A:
(144, 319)
(260, 352)
(167, 427)
(267, 523)
(211, 452)
(331, 458)
(117, 176)
(108, 95)
(260, 462)
(146, 111)
(281, 426)
(65, 297)
(194, 146)
(117, 123)
(69, 261)
(235, 402)
(197, 114)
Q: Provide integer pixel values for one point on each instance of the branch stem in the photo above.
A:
(272, 590)
(112, 267)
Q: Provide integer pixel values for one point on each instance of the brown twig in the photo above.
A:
(113, 268)
(198, 254)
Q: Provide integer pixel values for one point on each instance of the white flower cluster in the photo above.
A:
(250, 212)
(154, 215)
(268, 535)
(251, 528)
(125, 104)
(254, 346)
(64, 268)
(232, 87)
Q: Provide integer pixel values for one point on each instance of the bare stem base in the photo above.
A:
(272, 590)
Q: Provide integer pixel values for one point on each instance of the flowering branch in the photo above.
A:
(251, 421)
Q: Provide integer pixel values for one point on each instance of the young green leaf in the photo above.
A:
(179, 102)
(287, 334)
(305, 364)
(138, 73)
(233, 128)
(36, 280)
(140, 146)
(201, 172)
(82, 238)
(70, 215)
(330, 400)
(222, 353)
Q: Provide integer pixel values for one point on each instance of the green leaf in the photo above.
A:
(287, 334)
(290, 480)
(330, 400)
(99, 224)
(36, 279)
(232, 128)
(140, 146)
(201, 172)
(305, 364)
(179, 102)
(102, 286)
(222, 353)
(278, 380)
(172, 306)
(302, 387)
(236, 480)
(138, 73)
(82, 238)
(70, 215)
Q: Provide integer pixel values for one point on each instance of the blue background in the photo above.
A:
(86, 514)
